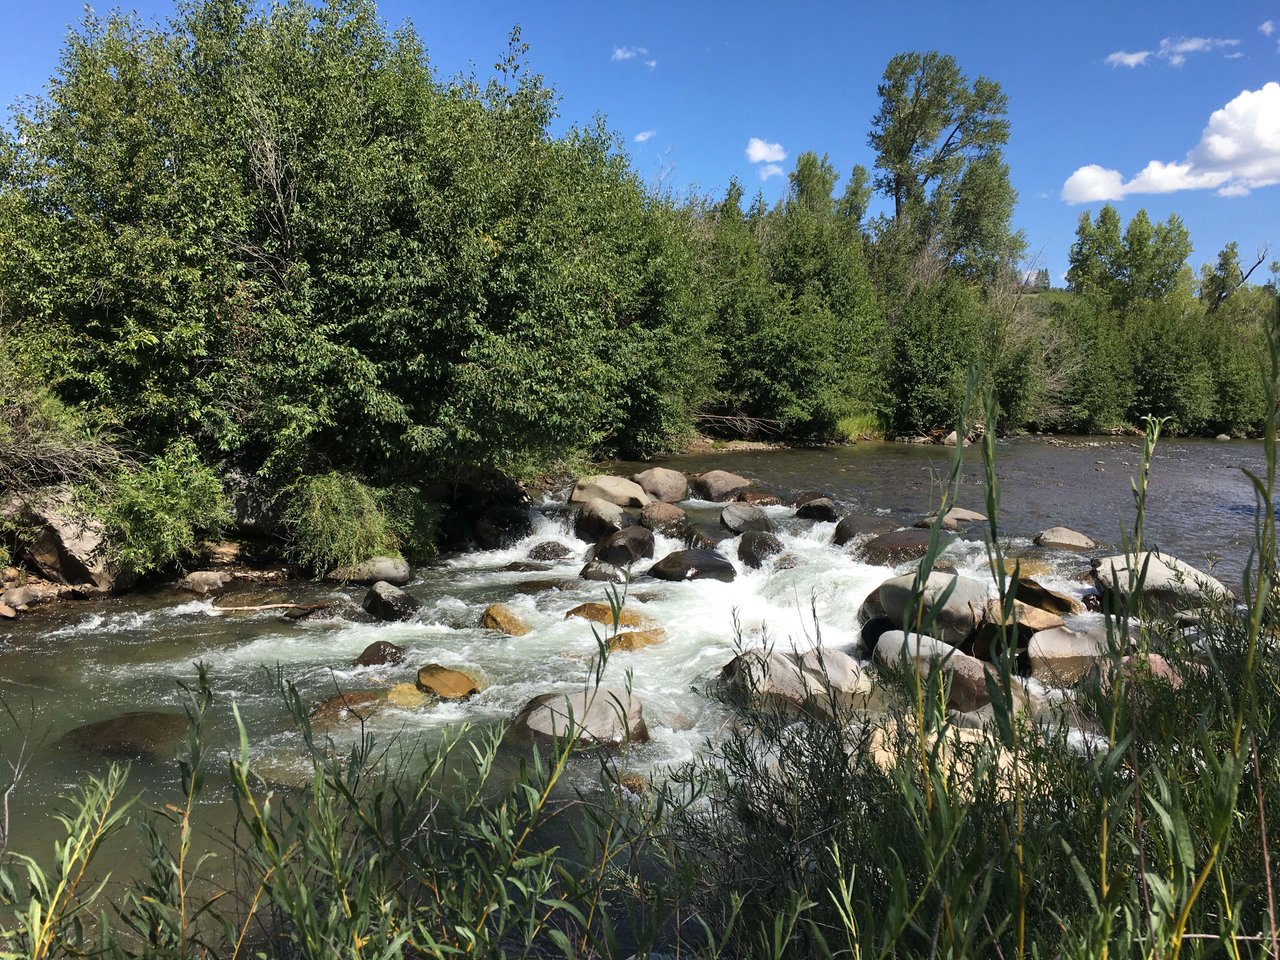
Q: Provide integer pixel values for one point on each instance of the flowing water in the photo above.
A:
(68, 664)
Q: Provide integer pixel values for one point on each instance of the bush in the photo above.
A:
(156, 513)
(336, 520)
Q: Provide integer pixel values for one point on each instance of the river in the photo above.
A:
(68, 664)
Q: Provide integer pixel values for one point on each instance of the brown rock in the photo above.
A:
(407, 696)
(348, 705)
(143, 733)
(1028, 591)
(1024, 567)
(635, 640)
(1061, 538)
(719, 485)
(663, 518)
(446, 683)
(380, 653)
(759, 498)
(502, 618)
(529, 587)
(897, 546)
(601, 613)
(1062, 656)
(669, 486)
(222, 554)
(7, 612)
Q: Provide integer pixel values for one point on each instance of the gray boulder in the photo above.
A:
(819, 680)
(386, 601)
(600, 718)
(820, 509)
(663, 485)
(66, 546)
(719, 485)
(550, 550)
(954, 619)
(966, 676)
(757, 546)
(1062, 656)
(626, 546)
(391, 570)
(617, 490)
(693, 565)
(741, 517)
(597, 519)
(603, 572)
(898, 546)
(1169, 585)
(1061, 538)
(380, 653)
(852, 527)
(205, 583)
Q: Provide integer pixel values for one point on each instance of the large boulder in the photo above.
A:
(500, 527)
(757, 546)
(140, 734)
(952, 619)
(897, 547)
(393, 570)
(65, 545)
(502, 618)
(388, 602)
(741, 517)
(550, 550)
(617, 490)
(667, 486)
(380, 653)
(852, 527)
(446, 683)
(664, 518)
(719, 485)
(693, 565)
(966, 675)
(599, 717)
(1061, 538)
(821, 509)
(1035, 594)
(996, 629)
(1062, 656)
(597, 519)
(820, 680)
(1168, 586)
(626, 546)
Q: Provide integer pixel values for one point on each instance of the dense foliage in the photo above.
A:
(276, 233)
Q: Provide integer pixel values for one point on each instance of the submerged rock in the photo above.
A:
(140, 734)
(600, 717)
(446, 683)
(550, 550)
(392, 570)
(347, 706)
(757, 546)
(388, 602)
(662, 484)
(719, 485)
(758, 498)
(380, 653)
(602, 613)
(502, 618)
(615, 490)
(741, 517)
(693, 565)
(635, 640)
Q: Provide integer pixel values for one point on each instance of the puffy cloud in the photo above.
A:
(1239, 151)
(651, 64)
(1268, 27)
(644, 135)
(1123, 59)
(761, 151)
(628, 53)
(771, 170)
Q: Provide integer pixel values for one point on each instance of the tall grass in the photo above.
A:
(1131, 820)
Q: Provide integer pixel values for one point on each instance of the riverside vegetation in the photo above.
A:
(263, 271)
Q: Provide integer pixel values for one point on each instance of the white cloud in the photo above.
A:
(628, 53)
(644, 135)
(1172, 50)
(1268, 27)
(761, 151)
(1239, 151)
(651, 64)
(1122, 59)
(771, 170)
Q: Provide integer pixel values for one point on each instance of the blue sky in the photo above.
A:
(1172, 106)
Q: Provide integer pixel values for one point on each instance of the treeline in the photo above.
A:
(277, 235)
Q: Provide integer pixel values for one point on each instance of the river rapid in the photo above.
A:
(71, 663)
